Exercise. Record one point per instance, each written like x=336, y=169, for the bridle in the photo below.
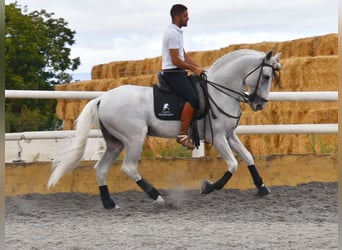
x=255, y=95
x=242, y=97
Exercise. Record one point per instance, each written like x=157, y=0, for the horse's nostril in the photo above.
x=258, y=107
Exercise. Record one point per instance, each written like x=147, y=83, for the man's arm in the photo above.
x=188, y=59
x=186, y=64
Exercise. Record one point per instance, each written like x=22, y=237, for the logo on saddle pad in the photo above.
x=166, y=107
x=166, y=111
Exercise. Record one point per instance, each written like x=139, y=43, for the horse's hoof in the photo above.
x=207, y=187
x=159, y=202
x=263, y=191
x=109, y=204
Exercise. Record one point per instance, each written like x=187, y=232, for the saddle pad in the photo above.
x=167, y=105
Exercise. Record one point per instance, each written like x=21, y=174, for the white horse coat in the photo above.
x=126, y=116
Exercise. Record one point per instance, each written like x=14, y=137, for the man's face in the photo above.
x=183, y=19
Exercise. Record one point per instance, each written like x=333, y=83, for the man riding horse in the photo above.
x=174, y=63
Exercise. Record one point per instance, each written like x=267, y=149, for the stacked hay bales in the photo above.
x=310, y=64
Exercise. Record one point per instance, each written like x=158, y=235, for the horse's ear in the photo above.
x=269, y=55
x=277, y=56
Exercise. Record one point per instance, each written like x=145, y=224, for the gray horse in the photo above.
x=126, y=116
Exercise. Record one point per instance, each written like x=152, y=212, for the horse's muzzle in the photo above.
x=257, y=102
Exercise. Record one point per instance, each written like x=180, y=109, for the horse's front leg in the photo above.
x=221, y=144
x=247, y=157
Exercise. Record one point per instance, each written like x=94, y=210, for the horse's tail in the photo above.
x=69, y=159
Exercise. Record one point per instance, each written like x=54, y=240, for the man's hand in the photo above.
x=197, y=70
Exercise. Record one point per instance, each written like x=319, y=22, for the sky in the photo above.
x=119, y=30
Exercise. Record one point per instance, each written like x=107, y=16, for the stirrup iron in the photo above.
x=185, y=142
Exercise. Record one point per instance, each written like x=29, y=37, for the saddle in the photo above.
x=168, y=105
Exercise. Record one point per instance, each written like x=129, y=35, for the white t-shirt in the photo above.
x=173, y=39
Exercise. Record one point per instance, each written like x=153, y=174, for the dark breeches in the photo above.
x=182, y=86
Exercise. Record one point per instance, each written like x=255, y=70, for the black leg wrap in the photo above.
x=148, y=189
x=218, y=185
x=255, y=175
x=208, y=187
x=107, y=202
x=262, y=189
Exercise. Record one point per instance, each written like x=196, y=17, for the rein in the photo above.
x=243, y=97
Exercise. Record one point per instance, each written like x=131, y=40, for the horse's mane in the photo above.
x=230, y=56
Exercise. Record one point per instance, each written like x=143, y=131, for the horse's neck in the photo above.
x=231, y=81
x=230, y=72
x=226, y=77
x=225, y=99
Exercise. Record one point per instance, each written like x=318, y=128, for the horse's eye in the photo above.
x=266, y=77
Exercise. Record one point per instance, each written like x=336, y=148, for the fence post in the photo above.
x=200, y=151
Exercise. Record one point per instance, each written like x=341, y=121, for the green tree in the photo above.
x=37, y=57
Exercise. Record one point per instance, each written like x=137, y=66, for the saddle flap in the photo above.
x=200, y=87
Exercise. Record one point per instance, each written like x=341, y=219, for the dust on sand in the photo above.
x=301, y=217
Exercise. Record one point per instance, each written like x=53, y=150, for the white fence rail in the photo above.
x=31, y=146
x=325, y=96
x=330, y=128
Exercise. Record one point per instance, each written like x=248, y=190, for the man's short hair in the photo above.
x=177, y=9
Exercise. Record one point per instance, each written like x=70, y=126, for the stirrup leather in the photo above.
x=185, y=142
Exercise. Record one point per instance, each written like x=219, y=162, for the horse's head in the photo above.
x=259, y=80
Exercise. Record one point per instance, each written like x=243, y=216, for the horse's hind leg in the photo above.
x=247, y=157
x=113, y=150
x=133, y=151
